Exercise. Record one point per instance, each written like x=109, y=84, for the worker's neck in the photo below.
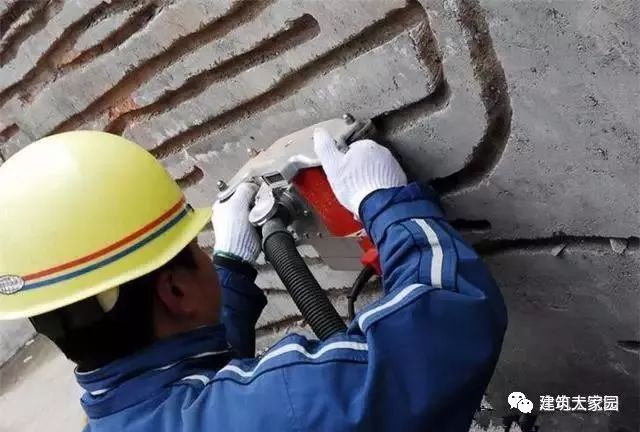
x=166, y=326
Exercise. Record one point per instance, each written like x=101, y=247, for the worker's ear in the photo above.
x=172, y=290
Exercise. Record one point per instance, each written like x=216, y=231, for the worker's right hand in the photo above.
x=364, y=168
x=235, y=237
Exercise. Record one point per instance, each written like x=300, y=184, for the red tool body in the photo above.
x=294, y=191
x=312, y=185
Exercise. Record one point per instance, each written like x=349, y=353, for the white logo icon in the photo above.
x=519, y=400
x=525, y=406
x=10, y=284
x=514, y=398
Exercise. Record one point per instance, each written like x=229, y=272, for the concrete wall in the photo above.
x=524, y=114
x=13, y=336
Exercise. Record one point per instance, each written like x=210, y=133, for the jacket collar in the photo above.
x=129, y=380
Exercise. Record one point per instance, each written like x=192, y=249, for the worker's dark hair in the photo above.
x=126, y=328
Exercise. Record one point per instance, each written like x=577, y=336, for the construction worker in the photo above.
x=98, y=248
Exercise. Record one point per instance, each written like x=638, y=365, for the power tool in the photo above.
x=294, y=206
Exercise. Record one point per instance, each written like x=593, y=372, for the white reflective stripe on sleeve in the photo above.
x=204, y=379
x=99, y=392
x=394, y=301
x=436, y=250
x=87, y=372
x=197, y=356
x=358, y=346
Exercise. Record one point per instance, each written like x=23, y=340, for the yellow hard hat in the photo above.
x=81, y=213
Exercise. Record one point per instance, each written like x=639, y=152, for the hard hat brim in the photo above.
x=144, y=259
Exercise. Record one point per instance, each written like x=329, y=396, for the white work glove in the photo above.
x=364, y=168
x=235, y=237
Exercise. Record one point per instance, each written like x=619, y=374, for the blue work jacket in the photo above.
x=419, y=359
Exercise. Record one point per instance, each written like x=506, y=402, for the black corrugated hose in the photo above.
x=280, y=250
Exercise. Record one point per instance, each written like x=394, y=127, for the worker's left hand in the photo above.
x=235, y=237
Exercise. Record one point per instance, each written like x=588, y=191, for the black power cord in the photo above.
x=364, y=276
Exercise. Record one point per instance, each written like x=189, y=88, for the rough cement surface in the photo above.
x=571, y=320
x=522, y=114
x=13, y=335
x=571, y=158
x=38, y=391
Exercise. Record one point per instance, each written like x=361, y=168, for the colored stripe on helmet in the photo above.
x=171, y=215
x=110, y=259
x=112, y=247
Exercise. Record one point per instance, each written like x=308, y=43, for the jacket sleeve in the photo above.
x=242, y=303
x=434, y=337
x=418, y=359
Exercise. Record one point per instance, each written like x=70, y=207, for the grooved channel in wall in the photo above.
x=594, y=244
x=68, y=61
x=11, y=15
x=294, y=34
x=494, y=93
x=495, y=96
x=468, y=225
x=46, y=67
x=379, y=33
x=274, y=326
x=191, y=178
x=240, y=13
x=395, y=121
x=22, y=20
x=632, y=346
x=8, y=132
x=134, y=24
